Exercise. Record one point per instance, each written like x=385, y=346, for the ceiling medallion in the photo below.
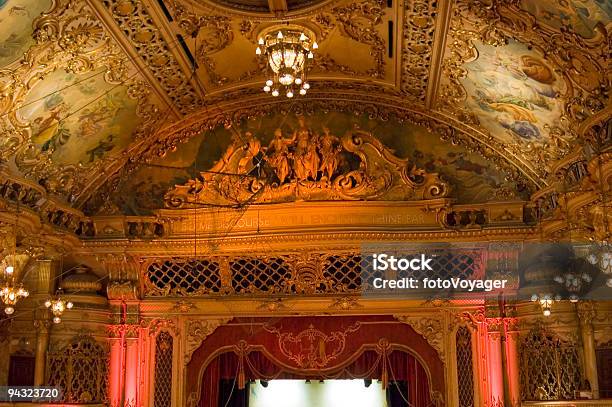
x=288, y=51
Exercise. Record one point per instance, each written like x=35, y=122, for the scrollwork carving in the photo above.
x=198, y=331
x=429, y=328
x=308, y=166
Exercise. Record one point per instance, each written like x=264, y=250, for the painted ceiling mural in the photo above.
x=16, y=17
x=474, y=178
x=580, y=15
x=79, y=119
x=514, y=92
x=78, y=110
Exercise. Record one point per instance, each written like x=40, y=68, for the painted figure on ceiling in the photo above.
x=95, y=118
x=102, y=148
x=513, y=91
x=49, y=130
x=579, y=15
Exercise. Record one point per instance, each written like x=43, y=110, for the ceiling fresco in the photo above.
x=473, y=179
x=492, y=95
x=579, y=15
x=516, y=95
x=16, y=17
x=85, y=121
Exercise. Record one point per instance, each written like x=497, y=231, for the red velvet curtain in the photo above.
x=401, y=367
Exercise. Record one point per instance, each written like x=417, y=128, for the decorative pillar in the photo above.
x=131, y=370
x=513, y=361
x=586, y=313
x=46, y=270
x=122, y=291
x=42, y=326
x=495, y=362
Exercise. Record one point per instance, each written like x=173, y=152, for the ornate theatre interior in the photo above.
x=189, y=189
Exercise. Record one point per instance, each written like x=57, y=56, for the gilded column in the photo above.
x=131, y=366
x=512, y=361
x=496, y=365
x=586, y=313
x=42, y=326
x=122, y=291
x=116, y=368
x=46, y=270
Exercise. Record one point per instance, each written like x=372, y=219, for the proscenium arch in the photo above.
x=401, y=337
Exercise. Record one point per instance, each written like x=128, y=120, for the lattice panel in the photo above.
x=292, y=274
x=80, y=370
x=345, y=271
x=162, y=396
x=183, y=277
x=550, y=368
x=465, y=367
x=251, y=275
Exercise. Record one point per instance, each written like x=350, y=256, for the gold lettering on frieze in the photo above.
x=350, y=214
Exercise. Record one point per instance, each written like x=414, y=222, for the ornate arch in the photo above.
x=343, y=340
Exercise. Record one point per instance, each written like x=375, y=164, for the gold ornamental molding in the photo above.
x=137, y=24
x=430, y=328
x=581, y=63
x=228, y=110
x=197, y=330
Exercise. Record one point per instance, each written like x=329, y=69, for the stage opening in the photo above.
x=315, y=393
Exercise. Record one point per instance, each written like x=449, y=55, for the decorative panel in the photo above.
x=604, y=373
x=465, y=368
x=183, y=277
x=550, y=368
x=162, y=396
x=80, y=370
x=289, y=274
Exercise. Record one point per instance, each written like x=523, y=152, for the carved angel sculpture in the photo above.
x=278, y=156
x=329, y=148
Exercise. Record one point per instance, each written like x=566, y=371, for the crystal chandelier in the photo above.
x=58, y=305
x=287, y=51
x=11, y=292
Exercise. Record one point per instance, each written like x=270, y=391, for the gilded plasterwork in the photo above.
x=16, y=17
x=72, y=100
x=581, y=16
x=84, y=122
x=307, y=165
x=473, y=178
x=138, y=26
x=515, y=94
